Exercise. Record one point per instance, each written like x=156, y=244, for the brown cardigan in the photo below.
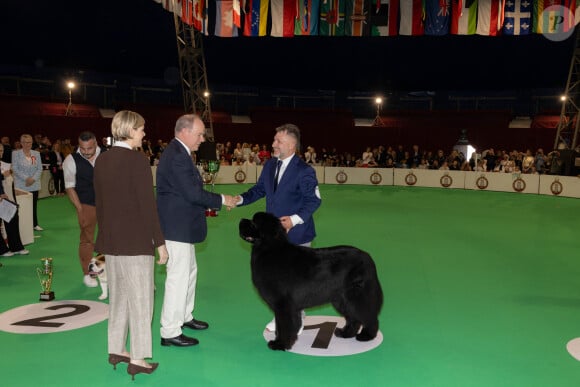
x=125, y=201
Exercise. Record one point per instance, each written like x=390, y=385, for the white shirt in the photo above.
x=189, y=151
x=69, y=168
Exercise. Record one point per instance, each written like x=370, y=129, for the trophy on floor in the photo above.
x=210, y=169
x=45, y=277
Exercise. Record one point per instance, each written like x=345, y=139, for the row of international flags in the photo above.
x=288, y=18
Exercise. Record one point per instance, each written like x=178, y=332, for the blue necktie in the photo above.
x=278, y=165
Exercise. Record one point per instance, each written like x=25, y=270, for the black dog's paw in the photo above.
x=365, y=336
x=276, y=345
x=344, y=333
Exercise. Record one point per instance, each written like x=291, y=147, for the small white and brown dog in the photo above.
x=97, y=268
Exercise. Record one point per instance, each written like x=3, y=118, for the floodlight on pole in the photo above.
x=378, y=121
x=70, y=86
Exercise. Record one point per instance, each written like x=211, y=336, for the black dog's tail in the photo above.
x=363, y=279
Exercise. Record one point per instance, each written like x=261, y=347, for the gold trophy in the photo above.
x=45, y=277
x=210, y=168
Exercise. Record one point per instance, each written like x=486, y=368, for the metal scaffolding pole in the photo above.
x=193, y=73
x=568, y=124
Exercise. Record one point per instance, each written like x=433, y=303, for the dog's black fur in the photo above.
x=291, y=278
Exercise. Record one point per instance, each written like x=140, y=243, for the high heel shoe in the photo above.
x=135, y=369
x=116, y=359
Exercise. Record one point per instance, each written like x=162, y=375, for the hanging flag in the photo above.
x=411, y=21
x=357, y=17
x=332, y=17
x=307, y=14
x=553, y=16
x=195, y=13
x=384, y=18
x=463, y=17
x=283, y=18
x=437, y=17
x=489, y=17
x=224, y=19
x=256, y=17
x=517, y=17
x=173, y=6
x=237, y=13
x=187, y=12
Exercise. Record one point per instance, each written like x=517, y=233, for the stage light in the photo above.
x=378, y=121
x=206, y=94
x=70, y=86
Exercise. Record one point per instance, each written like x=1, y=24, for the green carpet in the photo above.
x=481, y=289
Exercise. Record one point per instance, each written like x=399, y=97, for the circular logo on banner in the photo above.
x=482, y=182
x=556, y=187
x=240, y=176
x=446, y=180
x=519, y=184
x=318, y=338
x=376, y=178
x=411, y=179
x=53, y=317
x=341, y=177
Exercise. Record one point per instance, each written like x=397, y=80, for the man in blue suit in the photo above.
x=181, y=203
x=290, y=187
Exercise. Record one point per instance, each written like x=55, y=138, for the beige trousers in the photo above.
x=130, y=304
x=179, y=298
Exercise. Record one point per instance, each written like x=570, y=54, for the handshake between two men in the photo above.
x=231, y=201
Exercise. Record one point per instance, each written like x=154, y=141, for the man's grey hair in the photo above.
x=185, y=121
x=291, y=130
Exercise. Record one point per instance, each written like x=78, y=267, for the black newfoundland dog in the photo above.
x=291, y=278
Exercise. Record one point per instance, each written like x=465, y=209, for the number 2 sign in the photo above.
x=55, y=316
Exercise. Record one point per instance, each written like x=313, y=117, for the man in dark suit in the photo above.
x=181, y=203
x=290, y=187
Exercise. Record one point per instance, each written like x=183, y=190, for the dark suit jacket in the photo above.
x=181, y=198
x=297, y=193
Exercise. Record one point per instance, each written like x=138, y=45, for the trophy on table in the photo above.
x=210, y=171
x=45, y=277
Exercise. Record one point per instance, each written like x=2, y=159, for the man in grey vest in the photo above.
x=78, y=182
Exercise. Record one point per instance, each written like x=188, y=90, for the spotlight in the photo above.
x=378, y=121
x=70, y=86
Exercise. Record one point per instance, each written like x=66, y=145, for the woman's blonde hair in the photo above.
x=123, y=122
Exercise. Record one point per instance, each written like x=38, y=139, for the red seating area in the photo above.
x=430, y=130
x=319, y=127
x=37, y=107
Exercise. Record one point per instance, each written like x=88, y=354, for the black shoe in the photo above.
x=179, y=341
x=196, y=324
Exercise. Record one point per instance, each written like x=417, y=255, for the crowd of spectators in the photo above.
x=246, y=153
x=489, y=160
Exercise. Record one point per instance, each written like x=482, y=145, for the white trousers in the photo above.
x=179, y=298
x=130, y=280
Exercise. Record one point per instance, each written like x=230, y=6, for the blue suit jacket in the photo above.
x=297, y=193
x=181, y=198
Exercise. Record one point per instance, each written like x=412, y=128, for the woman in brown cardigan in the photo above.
x=129, y=232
